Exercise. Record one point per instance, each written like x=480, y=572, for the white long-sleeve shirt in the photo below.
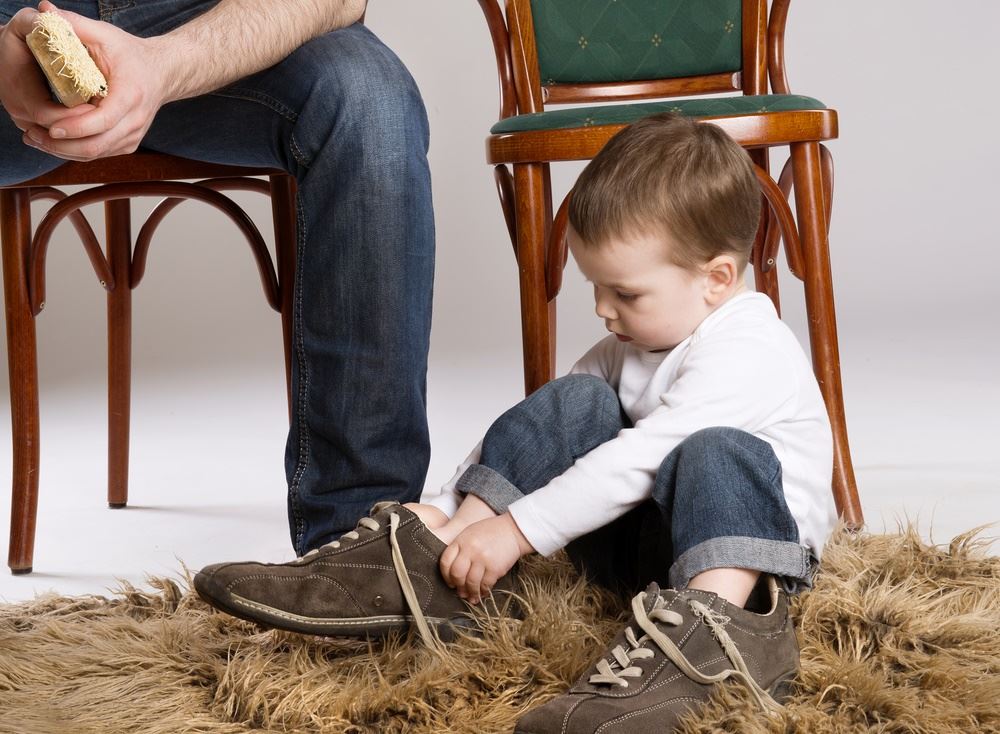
x=742, y=368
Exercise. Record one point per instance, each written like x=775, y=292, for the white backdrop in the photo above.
x=915, y=257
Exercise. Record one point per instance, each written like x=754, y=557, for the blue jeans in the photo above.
x=717, y=500
x=343, y=115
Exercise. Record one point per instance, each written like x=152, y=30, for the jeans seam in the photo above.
x=297, y=153
x=303, y=434
x=252, y=95
x=107, y=9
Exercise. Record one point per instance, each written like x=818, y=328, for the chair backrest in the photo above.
x=565, y=51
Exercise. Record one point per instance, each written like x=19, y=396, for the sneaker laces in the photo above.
x=608, y=675
x=404, y=581
x=365, y=522
x=399, y=565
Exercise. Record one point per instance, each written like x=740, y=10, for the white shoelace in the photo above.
x=608, y=675
x=365, y=522
x=409, y=593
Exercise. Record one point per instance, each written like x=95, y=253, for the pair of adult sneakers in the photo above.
x=384, y=576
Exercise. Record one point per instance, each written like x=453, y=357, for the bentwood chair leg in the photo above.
x=15, y=239
x=547, y=177
x=765, y=281
x=118, y=228
x=810, y=209
x=537, y=324
x=285, y=231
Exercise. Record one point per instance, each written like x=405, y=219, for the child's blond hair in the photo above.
x=669, y=175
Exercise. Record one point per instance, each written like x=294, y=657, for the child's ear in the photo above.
x=722, y=274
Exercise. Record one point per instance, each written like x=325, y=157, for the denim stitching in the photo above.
x=297, y=153
x=107, y=9
x=303, y=459
x=252, y=95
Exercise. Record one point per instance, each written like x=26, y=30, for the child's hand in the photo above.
x=481, y=554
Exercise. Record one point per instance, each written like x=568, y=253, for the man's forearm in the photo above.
x=239, y=37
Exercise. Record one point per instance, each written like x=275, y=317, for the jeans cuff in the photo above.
x=791, y=563
x=490, y=486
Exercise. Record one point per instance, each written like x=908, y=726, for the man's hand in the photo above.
x=24, y=92
x=115, y=125
x=481, y=554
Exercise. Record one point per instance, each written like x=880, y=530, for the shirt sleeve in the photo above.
x=598, y=361
x=735, y=381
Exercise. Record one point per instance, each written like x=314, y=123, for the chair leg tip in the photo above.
x=20, y=571
x=117, y=505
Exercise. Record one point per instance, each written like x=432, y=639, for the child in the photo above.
x=690, y=448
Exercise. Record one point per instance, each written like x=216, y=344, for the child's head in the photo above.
x=662, y=221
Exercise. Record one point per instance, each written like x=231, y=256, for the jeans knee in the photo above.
x=714, y=449
x=361, y=95
x=586, y=389
x=714, y=439
x=583, y=398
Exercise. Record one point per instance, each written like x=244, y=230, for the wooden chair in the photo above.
x=119, y=271
x=551, y=52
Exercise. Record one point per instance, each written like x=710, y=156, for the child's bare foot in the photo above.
x=429, y=515
x=472, y=509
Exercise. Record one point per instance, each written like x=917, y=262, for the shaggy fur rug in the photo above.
x=897, y=636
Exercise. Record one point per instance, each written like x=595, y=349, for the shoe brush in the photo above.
x=72, y=74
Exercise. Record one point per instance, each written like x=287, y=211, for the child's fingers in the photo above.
x=487, y=584
x=459, y=571
x=473, y=581
x=447, y=558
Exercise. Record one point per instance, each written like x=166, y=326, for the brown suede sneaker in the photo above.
x=380, y=577
x=690, y=641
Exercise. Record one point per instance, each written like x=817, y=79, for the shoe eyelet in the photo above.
x=378, y=600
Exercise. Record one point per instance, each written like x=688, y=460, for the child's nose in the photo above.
x=605, y=310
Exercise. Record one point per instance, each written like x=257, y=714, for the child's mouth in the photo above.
x=623, y=338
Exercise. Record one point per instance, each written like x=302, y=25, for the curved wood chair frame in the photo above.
x=521, y=169
x=119, y=269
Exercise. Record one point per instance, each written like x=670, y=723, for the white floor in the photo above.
x=207, y=482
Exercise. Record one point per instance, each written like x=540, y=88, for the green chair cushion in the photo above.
x=622, y=40
x=629, y=113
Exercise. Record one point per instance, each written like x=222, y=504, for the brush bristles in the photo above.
x=66, y=58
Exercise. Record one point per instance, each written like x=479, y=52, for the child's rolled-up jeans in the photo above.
x=717, y=501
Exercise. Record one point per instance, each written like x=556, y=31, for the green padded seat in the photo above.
x=628, y=113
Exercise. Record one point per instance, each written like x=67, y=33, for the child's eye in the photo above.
x=627, y=296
